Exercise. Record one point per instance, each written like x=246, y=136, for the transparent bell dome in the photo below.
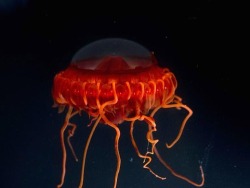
x=115, y=50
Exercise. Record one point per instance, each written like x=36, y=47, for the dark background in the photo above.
x=200, y=41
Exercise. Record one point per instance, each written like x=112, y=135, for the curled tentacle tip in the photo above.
x=168, y=146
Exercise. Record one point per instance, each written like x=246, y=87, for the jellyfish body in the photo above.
x=116, y=80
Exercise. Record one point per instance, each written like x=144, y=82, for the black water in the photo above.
x=199, y=42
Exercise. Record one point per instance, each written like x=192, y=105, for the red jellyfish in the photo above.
x=115, y=80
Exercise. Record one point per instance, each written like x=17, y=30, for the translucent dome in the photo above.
x=115, y=50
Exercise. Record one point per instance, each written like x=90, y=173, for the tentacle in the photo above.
x=64, y=157
x=176, y=103
x=108, y=122
x=116, y=145
x=86, y=150
x=190, y=112
x=150, y=135
x=71, y=133
x=179, y=175
x=147, y=158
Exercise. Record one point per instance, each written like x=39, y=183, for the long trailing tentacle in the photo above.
x=64, y=157
x=86, y=150
x=118, y=157
x=111, y=124
x=176, y=104
x=147, y=158
x=179, y=175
